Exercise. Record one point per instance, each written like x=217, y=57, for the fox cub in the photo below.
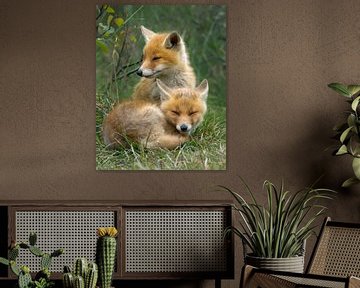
x=166, y=126
x=164, y=58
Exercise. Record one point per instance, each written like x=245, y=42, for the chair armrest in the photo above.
x=354, y=282
x=253, y=278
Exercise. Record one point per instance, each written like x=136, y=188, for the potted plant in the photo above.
x=276, y=233
x=42, y=278
x=348, y=133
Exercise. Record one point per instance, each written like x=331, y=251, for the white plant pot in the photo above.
x=291, y=264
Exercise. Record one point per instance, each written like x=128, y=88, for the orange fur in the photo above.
x=166, y=126
x=164, y=58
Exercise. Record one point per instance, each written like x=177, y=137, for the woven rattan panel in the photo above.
x=311, y=282
x=338, y=253
x=175, y=241
x=75, y=231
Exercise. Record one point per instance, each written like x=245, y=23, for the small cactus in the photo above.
x=24, y=277
x=106, y=254
x=91, y=276
x=80, y=268
x=68, y=280
x=83, y=274
x=79, y=282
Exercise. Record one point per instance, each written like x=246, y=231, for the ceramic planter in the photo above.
x=291, y=264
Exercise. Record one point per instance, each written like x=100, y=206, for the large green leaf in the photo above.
x=345, y=134
x=353, y=89
x=356, y=167
x=351, y=120
x=340, y=88
x=355, y=103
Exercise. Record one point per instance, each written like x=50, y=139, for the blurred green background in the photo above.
x=120, y=44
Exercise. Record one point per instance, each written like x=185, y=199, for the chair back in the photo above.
x=337, y=251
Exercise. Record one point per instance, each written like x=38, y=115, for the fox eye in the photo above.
x=175, y=112
x=156, y=58
x=193, y=113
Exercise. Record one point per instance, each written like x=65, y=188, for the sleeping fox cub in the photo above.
x=166, y=126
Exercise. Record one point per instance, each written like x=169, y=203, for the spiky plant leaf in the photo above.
x=280, y=228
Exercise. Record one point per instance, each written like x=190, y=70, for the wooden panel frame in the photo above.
x=119, y=208
x=12, y=225
x=229, y=274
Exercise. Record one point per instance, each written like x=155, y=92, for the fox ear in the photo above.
x=147, y=33
x=203, y=89
x=165, y=91
x=172, y=40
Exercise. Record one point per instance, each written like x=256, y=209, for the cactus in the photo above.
x=80, y=267
x=32, y=238
x=4, y=261
x=82, y=270
x=36, y=251
x=14, y=268
x=68, y=280
x=105, y=254
x=79, y=282
x=24, y=278
x=91, y=276
x=45, y=261
x=13, y=253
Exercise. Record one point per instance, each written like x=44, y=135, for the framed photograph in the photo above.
x=161, y=87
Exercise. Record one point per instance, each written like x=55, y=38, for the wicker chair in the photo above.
x=334, y=263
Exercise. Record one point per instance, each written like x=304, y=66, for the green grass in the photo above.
x=203, y=28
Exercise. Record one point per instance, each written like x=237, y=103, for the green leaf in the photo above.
x=349, y=182
x=109, y=19
x=101, y=44
x=342, y=150
x=14, y=268
x=119, y=21
x=345, y=134
x=340, y=88
x=4, y=261
x=354, y=145
x=353, y=89
x=356, y=167
x=110, y=10
x=355, y=103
